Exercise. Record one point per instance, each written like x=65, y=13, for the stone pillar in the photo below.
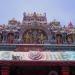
x=4, y=70
x=65, y=70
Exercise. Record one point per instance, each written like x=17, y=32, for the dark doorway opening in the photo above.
x=35, y=70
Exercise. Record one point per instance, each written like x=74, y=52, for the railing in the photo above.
x=45, y=47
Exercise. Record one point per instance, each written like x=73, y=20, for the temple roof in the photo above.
x=70, y=25
x=13, y=21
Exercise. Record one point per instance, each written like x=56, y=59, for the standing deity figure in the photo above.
x=30, y=36
x=10, y=38
x=27, y=38
x=59, y=39
x=69, y=39
x=34, y=36
x=41, y=38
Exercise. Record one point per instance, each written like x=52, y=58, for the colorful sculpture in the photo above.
x=10, y=38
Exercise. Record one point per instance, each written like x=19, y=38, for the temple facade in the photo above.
x=35, y=46
x=34, y=29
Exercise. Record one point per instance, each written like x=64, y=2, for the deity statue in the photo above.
x=59, y=39
x=41, y=38
x=27, y=38
x=30, y=35
x=10, y=38
x=1, y=38
x=69, y=39
x=34, y=36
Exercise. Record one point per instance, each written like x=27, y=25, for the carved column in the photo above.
x=4, y=70
x=65, y=70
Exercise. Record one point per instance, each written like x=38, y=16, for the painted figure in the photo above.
x=59, y=39
x=10, y=38
x=1, y=38
x=41, y=38
x=69, y=39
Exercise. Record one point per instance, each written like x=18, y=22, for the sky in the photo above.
x=61, y=10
